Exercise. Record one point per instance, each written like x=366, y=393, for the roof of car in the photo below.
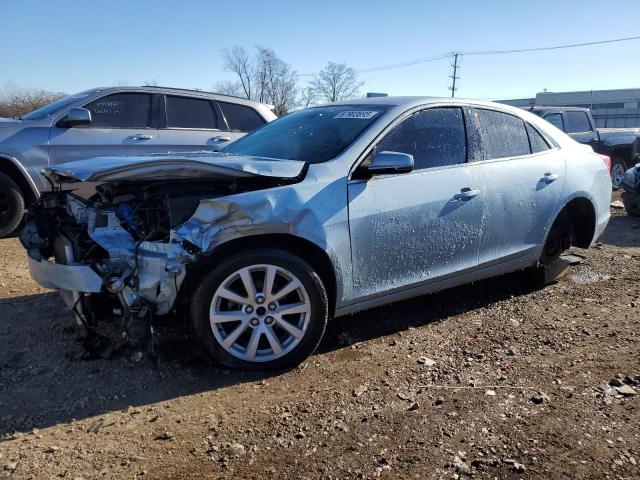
x=543, y=108
x=155, y=88
x=387, y=100
x=410, y=102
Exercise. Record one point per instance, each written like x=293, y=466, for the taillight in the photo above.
x=607, y=161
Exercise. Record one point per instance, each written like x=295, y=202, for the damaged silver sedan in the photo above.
x=324, y=212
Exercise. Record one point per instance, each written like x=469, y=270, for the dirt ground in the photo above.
x=491, y=380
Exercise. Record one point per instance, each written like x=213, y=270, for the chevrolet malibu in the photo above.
x=324, y=212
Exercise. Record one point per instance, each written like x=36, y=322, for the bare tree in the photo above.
x=336, y=82
x=264, y=77
x=16, y=102
x=237, y=60
x=276, y=82
x=228, y=87
x=307, y=97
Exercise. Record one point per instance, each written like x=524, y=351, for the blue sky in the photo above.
x=71, y=45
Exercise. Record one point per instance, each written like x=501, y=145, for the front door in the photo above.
x=121, y=124
x=411, y=228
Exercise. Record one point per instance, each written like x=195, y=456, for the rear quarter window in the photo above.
x=537, y=141
x=241, y=117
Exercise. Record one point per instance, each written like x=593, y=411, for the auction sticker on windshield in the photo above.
x=359, y=114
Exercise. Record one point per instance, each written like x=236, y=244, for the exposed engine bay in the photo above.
x=112, y=249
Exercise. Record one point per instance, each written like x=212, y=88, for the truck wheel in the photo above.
x=261, y=309
x=11, y=206
x=631, y=203
x=618, y=168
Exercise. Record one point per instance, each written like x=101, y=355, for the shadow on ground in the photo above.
x=623, y=231
x=44, y=382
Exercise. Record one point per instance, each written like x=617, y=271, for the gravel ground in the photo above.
x=490, y=380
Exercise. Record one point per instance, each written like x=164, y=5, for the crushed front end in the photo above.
x=113, y=255
x=116, y=235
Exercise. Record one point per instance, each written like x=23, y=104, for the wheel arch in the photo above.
x=623, y=152
x=14, y=170
x=581, y=212
x=310, y=252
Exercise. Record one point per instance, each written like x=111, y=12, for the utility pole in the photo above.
x=454, y=76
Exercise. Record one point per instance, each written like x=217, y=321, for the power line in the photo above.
x=555, y=47
x=486, y=52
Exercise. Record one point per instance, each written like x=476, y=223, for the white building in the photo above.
x=610, y=108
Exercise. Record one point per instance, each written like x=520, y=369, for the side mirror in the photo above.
x=75, y=118
x=384, y=163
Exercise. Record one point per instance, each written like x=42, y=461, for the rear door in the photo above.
x=191, y=124
x=521, y=180
x=121, y=124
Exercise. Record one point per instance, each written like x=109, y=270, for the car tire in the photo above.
x=12, y=206
x=226, y=318
x=560, y=238
x=618, y=169
x=631, y=203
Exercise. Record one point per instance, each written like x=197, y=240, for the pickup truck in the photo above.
x=622, y=145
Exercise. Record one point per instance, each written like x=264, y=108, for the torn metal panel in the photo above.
x=80, y=278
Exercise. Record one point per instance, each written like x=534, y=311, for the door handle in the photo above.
x=550, y=177
x=466, y=194
x=220, y=139
x=140, y=136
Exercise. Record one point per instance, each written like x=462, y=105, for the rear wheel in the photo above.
x=11, y=206
x=559, y=240
x=618, y=169
x=261, y=310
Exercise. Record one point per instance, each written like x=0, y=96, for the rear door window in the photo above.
x=555, y=119
x=577, y=122
x=502, y=135
x=240, y=117
x=538, y=143
x=187, y=112
x=121, y=110
x=435, y=137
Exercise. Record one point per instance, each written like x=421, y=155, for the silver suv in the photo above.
x=113, y=121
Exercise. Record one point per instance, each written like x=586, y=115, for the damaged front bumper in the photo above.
x=103, y=273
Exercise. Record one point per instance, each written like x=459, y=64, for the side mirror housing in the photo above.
x=75, y=118
x=384, y=163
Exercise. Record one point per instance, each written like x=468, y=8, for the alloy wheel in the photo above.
x=260, y=313
x=617, y=174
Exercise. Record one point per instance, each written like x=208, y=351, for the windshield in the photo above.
x=54, y=107
x=313, y=135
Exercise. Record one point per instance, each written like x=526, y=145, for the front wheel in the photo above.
x=618, y=169
x=11, y=206
x=260, y=310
